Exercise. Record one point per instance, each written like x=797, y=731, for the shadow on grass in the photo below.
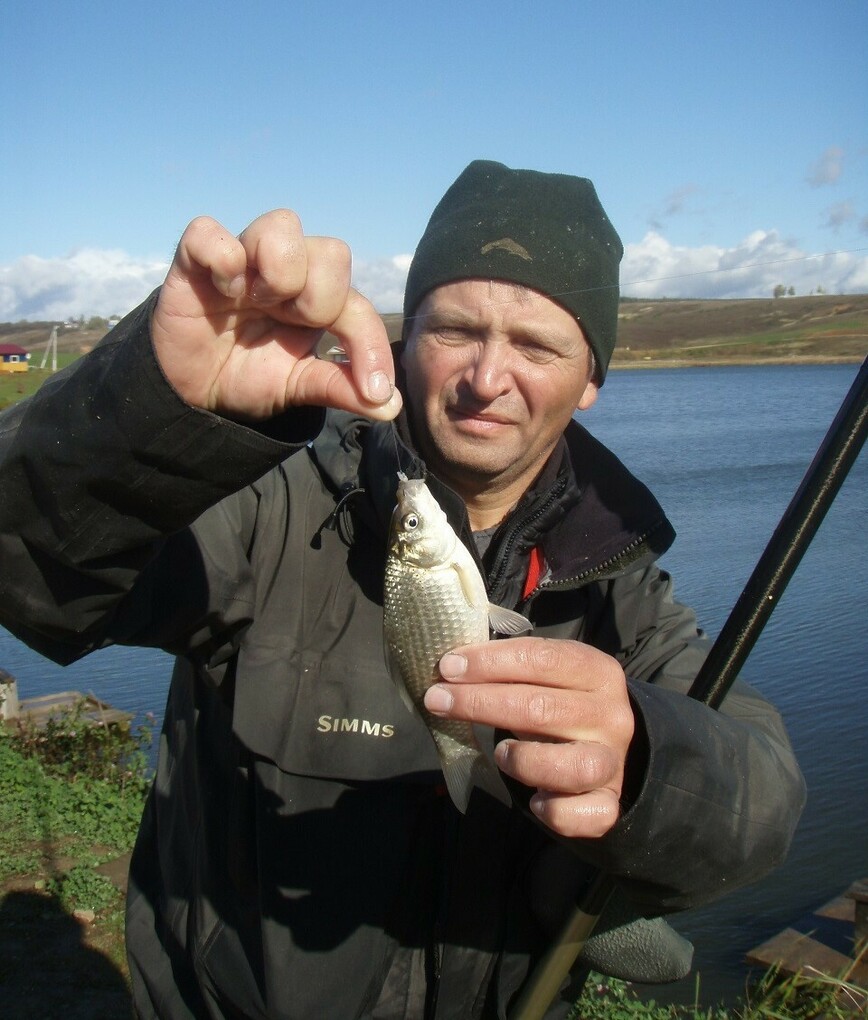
x=48, y=970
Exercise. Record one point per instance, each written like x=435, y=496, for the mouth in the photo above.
x=472, y=416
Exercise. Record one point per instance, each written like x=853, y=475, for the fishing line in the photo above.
x=394, y=429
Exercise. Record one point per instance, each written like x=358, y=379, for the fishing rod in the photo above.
x=816, y=493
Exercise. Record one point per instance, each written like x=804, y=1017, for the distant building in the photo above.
x=13, y=358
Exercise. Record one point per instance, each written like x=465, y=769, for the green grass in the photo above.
x=15, y=386
x=773, y=997
x=69, y=800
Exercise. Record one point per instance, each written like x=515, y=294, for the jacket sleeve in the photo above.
x=714, y=796
x=103, y=471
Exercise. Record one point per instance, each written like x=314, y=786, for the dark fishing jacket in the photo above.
x=298, y=858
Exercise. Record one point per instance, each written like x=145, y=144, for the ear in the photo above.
x=589, y=397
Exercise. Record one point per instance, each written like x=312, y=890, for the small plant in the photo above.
x=82, y=888
x=68, y=786
x=606, y=998
x=71, y=745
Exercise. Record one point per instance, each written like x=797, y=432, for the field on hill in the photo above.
x=819, y=328
x=816, y=329
x=661, y=332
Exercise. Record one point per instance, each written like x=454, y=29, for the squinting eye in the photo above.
x=538, y=352
x=410, y=522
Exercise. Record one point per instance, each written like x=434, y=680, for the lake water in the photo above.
x=724, y=449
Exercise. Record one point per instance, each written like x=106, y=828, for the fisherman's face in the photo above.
x=494, y=372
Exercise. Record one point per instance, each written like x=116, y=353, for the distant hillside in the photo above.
x=34, y=336
x=816, y=328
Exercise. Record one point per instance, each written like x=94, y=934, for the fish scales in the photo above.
x=433, y=617
x=434, y=601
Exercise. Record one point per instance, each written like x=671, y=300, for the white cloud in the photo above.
x=654, y=267
x=95, y=282
x=86, y=282
x=109, y=282
x=827, y=169
x=382, y=281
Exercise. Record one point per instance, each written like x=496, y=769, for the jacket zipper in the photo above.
x=629, y=554
x=518, y=530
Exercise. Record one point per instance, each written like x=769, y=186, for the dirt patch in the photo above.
x=116, y=871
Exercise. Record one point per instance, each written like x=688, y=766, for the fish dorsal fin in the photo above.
x=505, y=621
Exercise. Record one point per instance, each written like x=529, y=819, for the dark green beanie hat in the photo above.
x=544, y=231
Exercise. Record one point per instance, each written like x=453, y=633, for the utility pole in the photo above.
x=51, y=346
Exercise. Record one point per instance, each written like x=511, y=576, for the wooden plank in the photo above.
x=795, y=952
x=839, y=909
x=94, y=711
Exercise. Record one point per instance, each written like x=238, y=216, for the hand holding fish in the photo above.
x=237, y=322
x=567, y=705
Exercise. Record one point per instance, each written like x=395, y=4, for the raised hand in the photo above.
x=238, y=319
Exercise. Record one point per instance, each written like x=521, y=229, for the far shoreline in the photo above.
x=652, y=363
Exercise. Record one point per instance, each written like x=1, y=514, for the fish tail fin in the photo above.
x=466, y=771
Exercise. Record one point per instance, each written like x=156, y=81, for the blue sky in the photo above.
x=727, y=142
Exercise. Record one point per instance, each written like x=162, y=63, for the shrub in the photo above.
x=72, y=746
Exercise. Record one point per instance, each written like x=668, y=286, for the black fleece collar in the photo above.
x=587, y=512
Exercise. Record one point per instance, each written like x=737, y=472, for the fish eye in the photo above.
x=410, y=522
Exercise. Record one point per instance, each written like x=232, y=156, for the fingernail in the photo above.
x=537, y=804
x=452, y=666
x=236, y=286
x=501, y=752
x=261, y=291
x=379, y=388
x=438, y=699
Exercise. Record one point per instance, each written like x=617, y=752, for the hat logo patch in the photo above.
x=508, y=245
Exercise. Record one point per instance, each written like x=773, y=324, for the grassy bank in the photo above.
x=70, y=800
x=71, y=797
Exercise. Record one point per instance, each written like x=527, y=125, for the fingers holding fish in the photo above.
x=568, y=708
x=548, y=661
x=543, y=688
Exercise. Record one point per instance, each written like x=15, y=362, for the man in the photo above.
x=183, y=487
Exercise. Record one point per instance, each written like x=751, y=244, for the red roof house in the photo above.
x=13, y=358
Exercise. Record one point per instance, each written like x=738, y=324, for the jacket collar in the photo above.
x=615, y=520
x=588, y=513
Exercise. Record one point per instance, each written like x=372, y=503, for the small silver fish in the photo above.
x=435, y=600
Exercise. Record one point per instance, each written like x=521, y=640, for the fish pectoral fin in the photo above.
x=506, y=621
x=471, y=582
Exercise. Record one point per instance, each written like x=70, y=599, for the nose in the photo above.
x=487, y=374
